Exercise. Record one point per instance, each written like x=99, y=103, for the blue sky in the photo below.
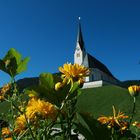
x=46, y=31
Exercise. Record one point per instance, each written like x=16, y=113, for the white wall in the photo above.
x=93, y=84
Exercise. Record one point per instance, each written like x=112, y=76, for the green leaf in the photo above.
x=75, y=87
x=2, y=66
x=74, y=90
x=63, y=92
x=47, y=80
x=4, y=107
x=22, y=65
x=46, y=88
x=11, y=67
x=12, y=63
x=43, y=93
x=13, y=53
x=94, y=130
x=83, y=128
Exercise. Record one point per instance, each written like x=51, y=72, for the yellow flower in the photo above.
x=35, y=108
x=3, y=91
x=5, y=88
x=134, y=90
x=6, y=131
x=40, y=108
x=104, y=119
x=74, y=72
x=117, y=120
x=20, y=124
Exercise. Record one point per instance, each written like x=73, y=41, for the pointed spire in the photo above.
x=79, y=35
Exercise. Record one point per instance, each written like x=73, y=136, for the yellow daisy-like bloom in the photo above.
x=36, y=108
x=116, y=121
x=134, y=90
x=6, y=131
x=3, y=90
x=20, y=124
x=74, y=72
x=40, y=108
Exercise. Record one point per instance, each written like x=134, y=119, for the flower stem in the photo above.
x=133, y=110
x=112, y=134
x=28, y=125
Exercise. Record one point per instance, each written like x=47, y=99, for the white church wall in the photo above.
x=87, y=79
x=93, y=84
x=78, y=55
x=98, y=78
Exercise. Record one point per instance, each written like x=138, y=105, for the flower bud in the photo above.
x=134, y=90
x=58, y=86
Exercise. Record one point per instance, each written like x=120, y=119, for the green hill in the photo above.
x=99, y=101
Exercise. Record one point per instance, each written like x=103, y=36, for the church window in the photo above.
x=78, y=54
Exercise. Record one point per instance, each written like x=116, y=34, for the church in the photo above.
x=99, y=73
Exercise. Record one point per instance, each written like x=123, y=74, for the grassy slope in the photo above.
x=99, y=101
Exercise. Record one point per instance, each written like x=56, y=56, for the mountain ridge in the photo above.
x=30, y=81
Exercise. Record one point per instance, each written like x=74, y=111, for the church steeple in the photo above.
x=80, y=36
x=80, y=51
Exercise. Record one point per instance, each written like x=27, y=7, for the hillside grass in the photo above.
x=99, y=101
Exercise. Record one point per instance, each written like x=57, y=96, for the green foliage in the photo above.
x=48, y=80
x=22, y=66
x=27, y=115
x=46, y=89
x=4, y=107
x=12, y=63
x=91, y=128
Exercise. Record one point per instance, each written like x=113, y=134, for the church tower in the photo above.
x=99, y=73
x=80, y=51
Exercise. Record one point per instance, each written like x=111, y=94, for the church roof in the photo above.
x=94, y=63
x=80, y=37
